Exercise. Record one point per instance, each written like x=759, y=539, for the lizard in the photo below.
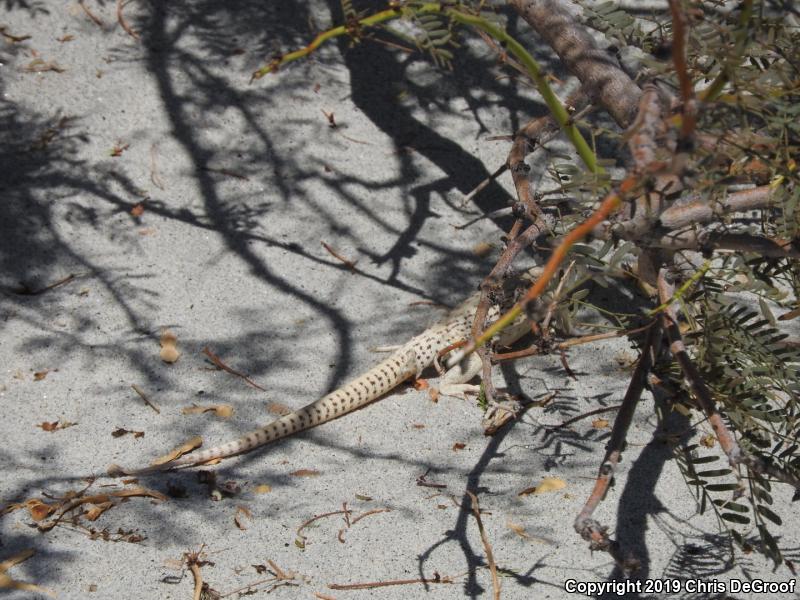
x=405, y=362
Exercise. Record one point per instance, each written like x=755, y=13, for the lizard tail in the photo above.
x=351, y=396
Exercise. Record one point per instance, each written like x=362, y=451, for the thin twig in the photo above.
x=249, y=587
x=217, y=362
x=502, y=55
x=144, y=397
x=14, y=39
x=194, y=561
x=587, y=339
x=350, y=264
x=374, y=511
x=97, y=20
x=121, y=20
x=483, y=185
x=519, y=241
x=423, y=482
x=376, y=584
x=681, y=69
x=198, y=580
x=596, y=411
x=26, y=291
x=693, y=378
x=349, y=523
x=500, y=212
x=476, y=510
x=316, y=518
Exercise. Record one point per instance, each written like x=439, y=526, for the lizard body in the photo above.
x=407, y=361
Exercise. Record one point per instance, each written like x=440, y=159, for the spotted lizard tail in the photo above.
x=400, y=366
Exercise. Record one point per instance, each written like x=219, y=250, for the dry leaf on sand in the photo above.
x=185, y=448
x=169, y=347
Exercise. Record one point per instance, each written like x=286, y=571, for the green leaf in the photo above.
x=734, y=506
x=734, y=518
x=737, y=537
x=768, y=514
x=714, y=473
x=580, y=295
x=704, y=459
x=722, y=487
x=769, y=542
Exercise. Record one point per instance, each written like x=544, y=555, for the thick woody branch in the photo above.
x=516, y=245
x=525, y=141
x=645, y=136
x=646, y=129
x=602, y=78
x=588, y=528
x=652, y=219
x=695, y=210
x=706, y=241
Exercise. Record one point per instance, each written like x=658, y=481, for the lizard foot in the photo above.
x=459, y=390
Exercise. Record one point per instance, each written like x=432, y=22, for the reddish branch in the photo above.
x=681, y=69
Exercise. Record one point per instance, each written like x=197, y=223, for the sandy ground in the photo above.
x=178, y=195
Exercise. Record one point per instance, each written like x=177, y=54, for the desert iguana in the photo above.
x=407, y=361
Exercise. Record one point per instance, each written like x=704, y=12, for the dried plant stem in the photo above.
x=121, y=20
x=476, y=510
x=377, y=584
x=144, y=397
x=218, y=363
x=97, y=20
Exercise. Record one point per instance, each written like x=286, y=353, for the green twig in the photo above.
x=681, y=291
x=557, y=109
